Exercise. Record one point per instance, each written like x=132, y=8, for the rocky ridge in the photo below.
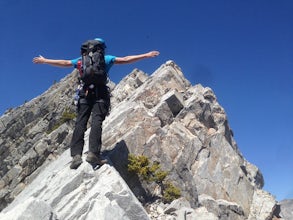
x=26, y=139
x=161, y=116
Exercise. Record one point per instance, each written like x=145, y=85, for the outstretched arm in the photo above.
x=134, y=58
x=60, y=63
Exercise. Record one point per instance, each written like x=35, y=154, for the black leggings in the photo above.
x=99, y=110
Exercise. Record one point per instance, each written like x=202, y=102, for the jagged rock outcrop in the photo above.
x=286, y=209
x=187, y=131
x=161, y=116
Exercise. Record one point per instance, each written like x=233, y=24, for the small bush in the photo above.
x=148, y=172
x=153, y=173
x=139, y=165
x=170, y=192
x=66, y=116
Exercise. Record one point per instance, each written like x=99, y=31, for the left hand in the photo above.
x=153, y=53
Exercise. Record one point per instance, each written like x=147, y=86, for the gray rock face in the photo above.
x=161, y=116
x=286, y=209
x=68, y=194
x=25, y=138
x=187, y=131
x=30, y=209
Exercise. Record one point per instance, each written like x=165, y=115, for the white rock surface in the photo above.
x=84, y=193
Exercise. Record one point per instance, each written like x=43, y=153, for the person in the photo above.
x=96, y=105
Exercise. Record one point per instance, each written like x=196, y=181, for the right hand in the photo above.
x=39, y=60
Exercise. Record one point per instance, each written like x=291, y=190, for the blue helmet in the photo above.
x=101, y=40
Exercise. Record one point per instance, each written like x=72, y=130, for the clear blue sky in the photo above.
x=243, y=50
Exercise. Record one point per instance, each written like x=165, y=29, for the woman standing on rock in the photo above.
x=93, y=99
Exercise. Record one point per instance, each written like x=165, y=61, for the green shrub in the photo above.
x=170, y=192
x=141, y=166
x=66, y=116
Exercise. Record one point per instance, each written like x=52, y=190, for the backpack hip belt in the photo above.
x=90, y=90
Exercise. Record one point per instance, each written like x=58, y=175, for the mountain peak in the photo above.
x=161, y=116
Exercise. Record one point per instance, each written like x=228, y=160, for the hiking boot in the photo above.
x=76, y=161
x=95, y=159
